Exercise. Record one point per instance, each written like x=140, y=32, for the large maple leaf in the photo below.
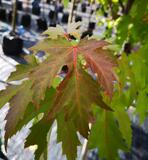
x=76, y=93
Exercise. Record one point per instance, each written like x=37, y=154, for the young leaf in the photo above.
x=73, y=29
x=54, y=32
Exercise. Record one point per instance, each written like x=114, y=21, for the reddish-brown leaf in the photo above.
x=101, y=62
x=75, y=96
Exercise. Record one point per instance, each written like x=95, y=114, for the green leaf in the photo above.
x=8, y=93
x=139, y=69
x=65, y=3
x=51, y=46
x=106, y=135
x=73, y=102
x=38, y=136
x=75, y=95
x=67, y=134
x=142, y=105
x=31, y=111
x=54, y=32
x=124, y=124
x=122, y=117
x=23, y=69
x=127, y=91
x=122, y=29
x=18, y=105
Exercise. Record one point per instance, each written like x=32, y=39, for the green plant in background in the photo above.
x=131, y=27
x=93, y=97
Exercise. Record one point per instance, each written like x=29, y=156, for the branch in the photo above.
x=111, y=7
x=71, y=12
x=113, y=13
x=128, y=6
x=14, y=15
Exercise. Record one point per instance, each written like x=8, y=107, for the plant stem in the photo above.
x=71, y=12
x=128, y=6
x=14, y=15
x=111, y=8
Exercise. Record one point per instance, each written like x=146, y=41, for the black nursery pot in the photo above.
x=60, y=9
x=19, y=5
x=36, y=11
x=42, y=24
x=91, y=25
x=48, y=1
x=65, y=17
x=3, y=16
x=78, y=18
x=83, y=7
x=12, y=45
x=9, y=17
x=52, y=15
x=26, y=20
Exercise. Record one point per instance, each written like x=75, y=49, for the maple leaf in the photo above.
x=31, y=111
x=106, y=135
x=18, y=105
x=72, y=29
x=8, y=94
x=22, y=70
x=101, y=62
x=54, y=32
x=68, y=136
x=38, y=136
x=122, y=117
x=141, y=106
x=75, y=95
x=57, y=57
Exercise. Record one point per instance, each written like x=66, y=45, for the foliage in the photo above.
x=98, y=88
x=128, y=28
x=90, y=69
